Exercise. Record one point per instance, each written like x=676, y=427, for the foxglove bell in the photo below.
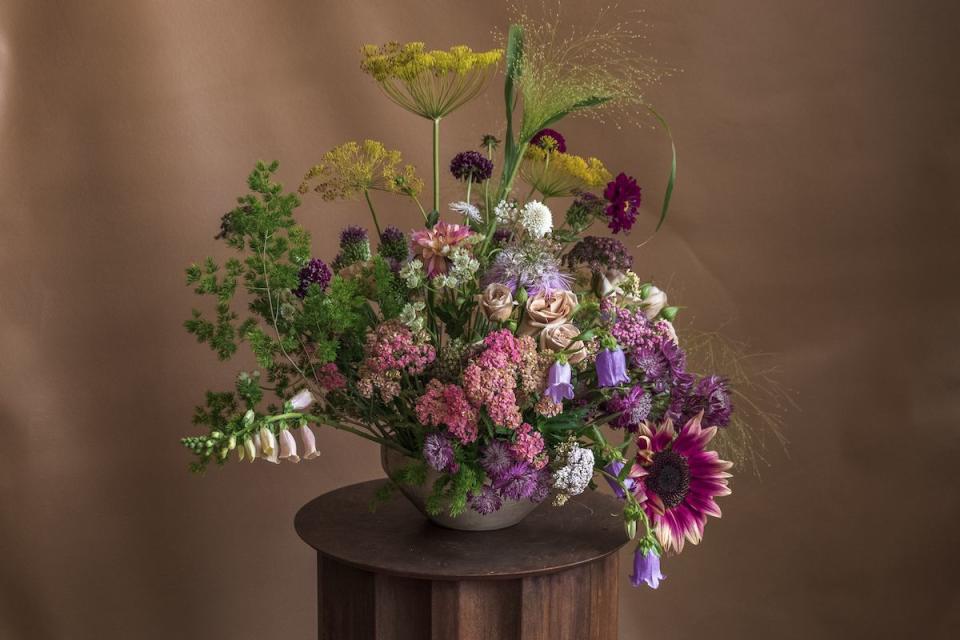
x=309, y=443
x=288, y=447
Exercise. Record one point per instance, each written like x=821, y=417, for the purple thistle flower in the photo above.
x=496, y=459
x=315, y=272
x=558, y=383
x=623, y=197
x=532, y=267
x=633, y=407
x=471, y=164
x=486, y=501
x=712, y=396
x=646, y=568
x=614, y=469
x=550, y=140
x=437, y=451
x=611, y=367
x=541, y=488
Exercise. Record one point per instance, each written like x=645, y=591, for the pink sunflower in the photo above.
x=676, y=480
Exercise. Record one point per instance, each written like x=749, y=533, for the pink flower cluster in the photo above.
x=490, y=380
x=447, y=405
x=529, y=446
x=390, y=351
x=330, y=378
x=632, y=330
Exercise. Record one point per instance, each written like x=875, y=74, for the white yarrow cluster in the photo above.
x=574, y=476
x=412, y=273
x=506, y=212
x=536, y=219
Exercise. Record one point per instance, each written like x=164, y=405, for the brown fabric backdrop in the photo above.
x=815, y=216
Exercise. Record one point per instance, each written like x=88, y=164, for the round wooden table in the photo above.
x=393, y=575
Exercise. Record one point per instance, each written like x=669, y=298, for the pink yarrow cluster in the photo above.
x=391, y=350
x=447, y=405
x=490, y=381
x=330, y=378
x=529, y=446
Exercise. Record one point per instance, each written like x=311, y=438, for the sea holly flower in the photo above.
x=646, y=566
x=309, y=442
x=611, y=367
x=302, y=401
x=623, y=202
x=288, y=447
x=558, y=382
x=472, y=166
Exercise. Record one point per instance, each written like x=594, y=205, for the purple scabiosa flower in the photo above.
x=550, y=140
x=558, y=383
x=471, y=165
x=393, y=244
x=712, y=396
x=531, y=266
x=496, y=459
x=623, y=200
x=600, y=254
x=611, y=367
x=437, y=451
x=486, y=501
x=634, y=407
x=614, y=469
x=646, y=567
x=315, y=272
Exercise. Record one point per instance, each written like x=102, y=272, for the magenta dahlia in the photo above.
x=677, y=480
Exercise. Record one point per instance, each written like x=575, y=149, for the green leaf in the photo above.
x=432, y=218
x=668, y=194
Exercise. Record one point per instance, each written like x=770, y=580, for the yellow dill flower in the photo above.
x=557, y=175
x=428, y=83
x=353, y=168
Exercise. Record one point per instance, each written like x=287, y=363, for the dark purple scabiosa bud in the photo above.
x=315, y=272
x=471, y=165
x=549, y=140
x=623, y=201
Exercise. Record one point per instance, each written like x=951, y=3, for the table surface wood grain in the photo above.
x=398, y=540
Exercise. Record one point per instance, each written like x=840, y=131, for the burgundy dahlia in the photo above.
x=623, y=202
x=471, y=164
x=315, y=272
x=550, y=140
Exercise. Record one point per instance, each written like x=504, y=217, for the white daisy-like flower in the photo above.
x=505, y=212
x=466, y=209
x=536, y=219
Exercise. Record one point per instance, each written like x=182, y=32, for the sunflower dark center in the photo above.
x=669, y=477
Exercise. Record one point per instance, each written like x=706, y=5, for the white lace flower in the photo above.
x=536, y=219
x=412, y=273
x=466, y=209
x=505, y=212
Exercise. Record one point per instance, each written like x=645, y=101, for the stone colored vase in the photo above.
x=509, y=514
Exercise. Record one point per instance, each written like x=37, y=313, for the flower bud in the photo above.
x=302, y=401
x=653, y=302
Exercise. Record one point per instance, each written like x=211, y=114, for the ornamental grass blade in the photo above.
x=673, y=168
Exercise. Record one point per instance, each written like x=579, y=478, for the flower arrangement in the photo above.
x=500, y=347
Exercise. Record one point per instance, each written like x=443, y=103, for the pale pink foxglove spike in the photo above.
x=256, y=447
x=268, y=441
x=302, y=401
x=309, y=443
x=288, y=447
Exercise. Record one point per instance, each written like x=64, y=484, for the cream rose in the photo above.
x=545, y=309
x=561, y=337
x=496, y=301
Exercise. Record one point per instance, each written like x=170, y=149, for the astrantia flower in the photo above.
x=530, y=266
x=485, y=501
x=633, y=406
x=412, y=274
x=600, y=254
x=466, y=209
x=315, y=272
x=437, y=451
x=435, y=245
x=623, y=202
x=471, y=165
x=536, y=219
x=646, y=567
x=550, y=140
x=678, y=480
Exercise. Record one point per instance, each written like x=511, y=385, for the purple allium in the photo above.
x=646, y=568
x=315, y=272
x=437, y=451
x=623, y=198
x=558, y=383
x=486, y=501
x=471, y=164
x=611, y=367
x=352, y=235
x=634, y=407
x=614, y=469
x=393, y=245
x=712, y=396
x=531, y=266
x=496, y=459
x=600, y=254
x=550, y=140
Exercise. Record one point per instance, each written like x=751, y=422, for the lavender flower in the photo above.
x=558, y=383
x=486, y=501
x=646, y=567
x=437, y=451
x=471, y=165
x=611, y=367
x=315, y=272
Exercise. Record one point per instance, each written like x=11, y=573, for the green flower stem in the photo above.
x=510, y=168
x=376, y=223
x=436, y=164
x=321, y=420
x=419, y=206
x=469, y=184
